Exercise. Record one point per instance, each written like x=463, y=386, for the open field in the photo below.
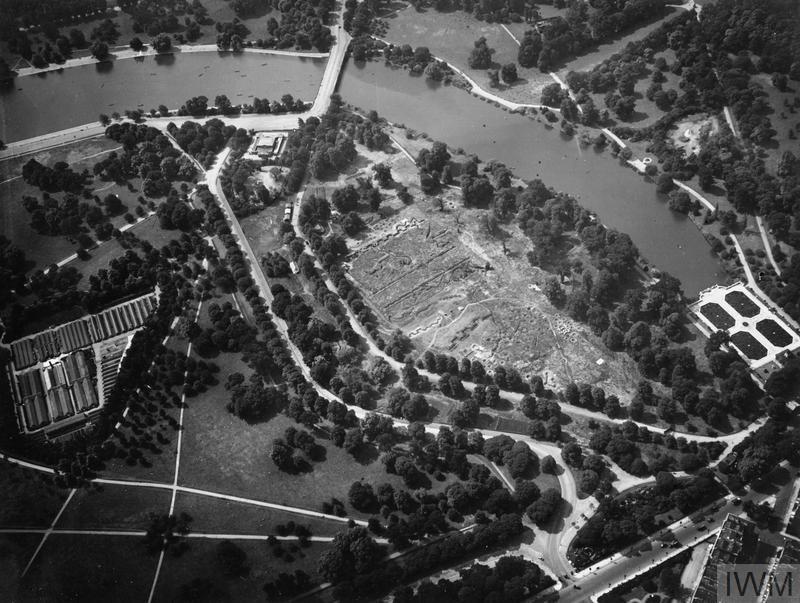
x=220, y=11
x=100, y=257
x=157, y=460
x=225, y=454
x=645, y=112
x=108, y=507
x=784, y=119
x=200, y=562
x=27, y=498
x=15, y=552
x=108, y=568
x=450, y=36
x=15, y=220
x=227, y=517
x=43, y=250
x=606, y=49
x=262, y=231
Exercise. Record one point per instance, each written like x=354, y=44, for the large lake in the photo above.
x=38, y=104
x=622, y=198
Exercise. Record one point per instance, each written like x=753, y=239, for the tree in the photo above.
x=552, y=94
x=282, y=455
x=519, y=459
x=353, y=440
x=476, y=192
x=99, y=50
x=589, y=481
x=529, y=49
x=362, y=497
x=542, y=511
x=549, y=465
x=383, y=174
x=572, y=454
x=554, y=292
x=352, y=552
x=664, y=183
x=509, y=73
x=481, y=55
x=162, y=43
x=136, y=44
x=669, y=582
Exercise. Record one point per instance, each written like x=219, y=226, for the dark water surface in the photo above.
x=38, y=104
x=622, y=198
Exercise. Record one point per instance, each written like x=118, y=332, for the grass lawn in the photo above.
x=27, y=498
x=200, y=562
x=261, y=229
x=100, y=257
x=543, y=480
x=451, y=35
x=15, y=551
x=225, y=454
x=89, y=568
x=44, y=250
x=590, y=59
x=154, y=435
x=546, y=481
x=156, y=464
x=109, y=507
x=212, y=515
x=783, y=120
x=15, y=220
x=218, y=11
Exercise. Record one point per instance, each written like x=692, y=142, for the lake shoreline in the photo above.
x=123, y=52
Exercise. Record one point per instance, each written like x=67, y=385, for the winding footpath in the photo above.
x=767, y=247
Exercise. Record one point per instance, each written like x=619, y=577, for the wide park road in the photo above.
x=648, y=553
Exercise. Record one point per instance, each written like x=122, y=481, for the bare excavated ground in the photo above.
x=432, y=269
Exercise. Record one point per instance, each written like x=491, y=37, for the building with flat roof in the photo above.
x=61, y=376
x=738, y=542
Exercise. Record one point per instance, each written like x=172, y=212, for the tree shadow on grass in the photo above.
x=635, y=117
x=504, y=405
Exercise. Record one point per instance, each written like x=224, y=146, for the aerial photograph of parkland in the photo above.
x=423, y=301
